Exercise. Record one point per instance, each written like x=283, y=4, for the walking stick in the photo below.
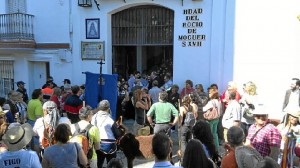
x=179, y=135
x=292, y=143
x=285, y=153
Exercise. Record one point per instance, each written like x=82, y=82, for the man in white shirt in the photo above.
x=103, y=121
x=232, y=115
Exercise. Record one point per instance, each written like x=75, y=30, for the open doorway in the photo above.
x=142, y=39
x=126, y=59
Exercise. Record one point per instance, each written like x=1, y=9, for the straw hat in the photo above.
x=145, y=131
x=294, y=114
x=4, y=110
x=14, y=96
x=18, y=137
x=247, y=157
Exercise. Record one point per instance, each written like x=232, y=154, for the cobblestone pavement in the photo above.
x=143, y=163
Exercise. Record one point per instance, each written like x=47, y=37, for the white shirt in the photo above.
x=232, y=113
x=103, y=122
x=293, y=102
x=39, y=128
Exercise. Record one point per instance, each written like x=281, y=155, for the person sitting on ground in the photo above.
x=235, y=137
x=63, y=153
x=162, y=147
x=195, y=157
x=16, y=139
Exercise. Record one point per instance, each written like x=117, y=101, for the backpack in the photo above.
x=82, y=138
x=189, y=119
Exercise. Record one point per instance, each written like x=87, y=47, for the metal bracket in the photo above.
x=97, y=4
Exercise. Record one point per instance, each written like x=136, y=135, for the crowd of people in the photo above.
x=43, y=131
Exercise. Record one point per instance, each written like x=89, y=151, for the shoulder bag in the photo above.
x=212, y=113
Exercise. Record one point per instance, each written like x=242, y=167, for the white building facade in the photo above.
x=209, y=41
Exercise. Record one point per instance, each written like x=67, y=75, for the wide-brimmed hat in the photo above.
x=145, y=131
x=15, y=96
x=294, y=114
x=3, y=111
x=259, y=109
x=247, y=157
x=18, y=137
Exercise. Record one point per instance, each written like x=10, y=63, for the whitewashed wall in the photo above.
x=267, y=38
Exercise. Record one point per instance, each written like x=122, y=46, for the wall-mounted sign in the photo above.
x=193, y=24
x=92, y=50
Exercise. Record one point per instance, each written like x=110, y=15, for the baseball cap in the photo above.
x=20, y=82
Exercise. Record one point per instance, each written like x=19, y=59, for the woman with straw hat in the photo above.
x=290, y=125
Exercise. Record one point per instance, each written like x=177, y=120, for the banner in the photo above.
x=94, y=92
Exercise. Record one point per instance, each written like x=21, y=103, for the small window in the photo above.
x=6, y=77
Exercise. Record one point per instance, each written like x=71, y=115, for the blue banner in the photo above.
x=94, y=92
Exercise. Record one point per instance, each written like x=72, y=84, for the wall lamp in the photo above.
x=85, y=3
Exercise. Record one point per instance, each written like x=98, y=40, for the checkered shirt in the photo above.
x=267, y=137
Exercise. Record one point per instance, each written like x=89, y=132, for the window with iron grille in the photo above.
x=16, y=6
x=6, y=77
x=143, y=25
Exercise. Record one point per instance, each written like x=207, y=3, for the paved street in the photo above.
x=141, y=163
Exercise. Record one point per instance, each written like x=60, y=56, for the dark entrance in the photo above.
x=142, y=39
